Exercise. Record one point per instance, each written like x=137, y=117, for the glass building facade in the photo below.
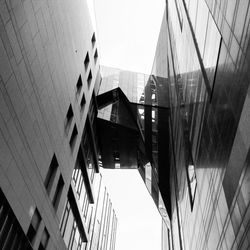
x=207, y=69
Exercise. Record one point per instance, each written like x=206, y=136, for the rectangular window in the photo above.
x=70, y=114
x=65, y=218
x=72, y=140
x=58, y=192
x=86, y=61
x=34, y=225
x=89, y=80
x=93, y=40
x=69, y=118
x=49, y=180
x=11, y=233
x=69, y=228
x=79, y=85
x=72, y=236
x=85, y=206
x=44, y=240
x=83, y=101
x=95, y=56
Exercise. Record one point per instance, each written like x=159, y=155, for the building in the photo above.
x=134, y=119
x=51, y=195
x=207, y=69
x=185, y=127
x=201, y=69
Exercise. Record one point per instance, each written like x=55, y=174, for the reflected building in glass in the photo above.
x=207, y=62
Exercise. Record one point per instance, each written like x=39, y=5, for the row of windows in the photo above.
x=11, y=233
x=69, y=229
x=88, y=152
x=50, y=182
x=79, y=84
x=87, y=60
x=68, y=125
x=82, y=196
x=33, y=229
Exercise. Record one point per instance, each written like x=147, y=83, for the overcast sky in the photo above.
x=127, y=33
x=139, y=222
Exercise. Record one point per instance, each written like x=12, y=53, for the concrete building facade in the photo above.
x=49, y=186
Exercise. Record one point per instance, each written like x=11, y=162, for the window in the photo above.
x=34, y=225
x=79, y=85
x=85, y=206
x=117, y=165
x=11, y=233
x=70, y=114
x=92, y=109
x=86, y=61
x=72, y=236
x=89, y=78
x=70, y=228
x=58, y=192
x=72, y=140
x=83, y=101
x=44, y=240
x=48, y=183
x=96, y=56
x=88, y=153
x=93, y=40
x=65, y=218
x=69, y=118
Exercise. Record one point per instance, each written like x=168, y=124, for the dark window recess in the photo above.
x=89, y=80
x=96, y=55
x=93, y=40
x=44, y=240
x=49, y=180
x=65, y=218
x=34, y=225
x=83, y=101
x=73, y=137
x=69, y=117
x=79, y=85
x=86, y=61
x=58, y=193
x=11, y=233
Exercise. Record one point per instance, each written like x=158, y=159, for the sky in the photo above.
x=139, y=222
x=127, y=33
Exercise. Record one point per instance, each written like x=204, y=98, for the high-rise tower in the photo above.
x=51, y=196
